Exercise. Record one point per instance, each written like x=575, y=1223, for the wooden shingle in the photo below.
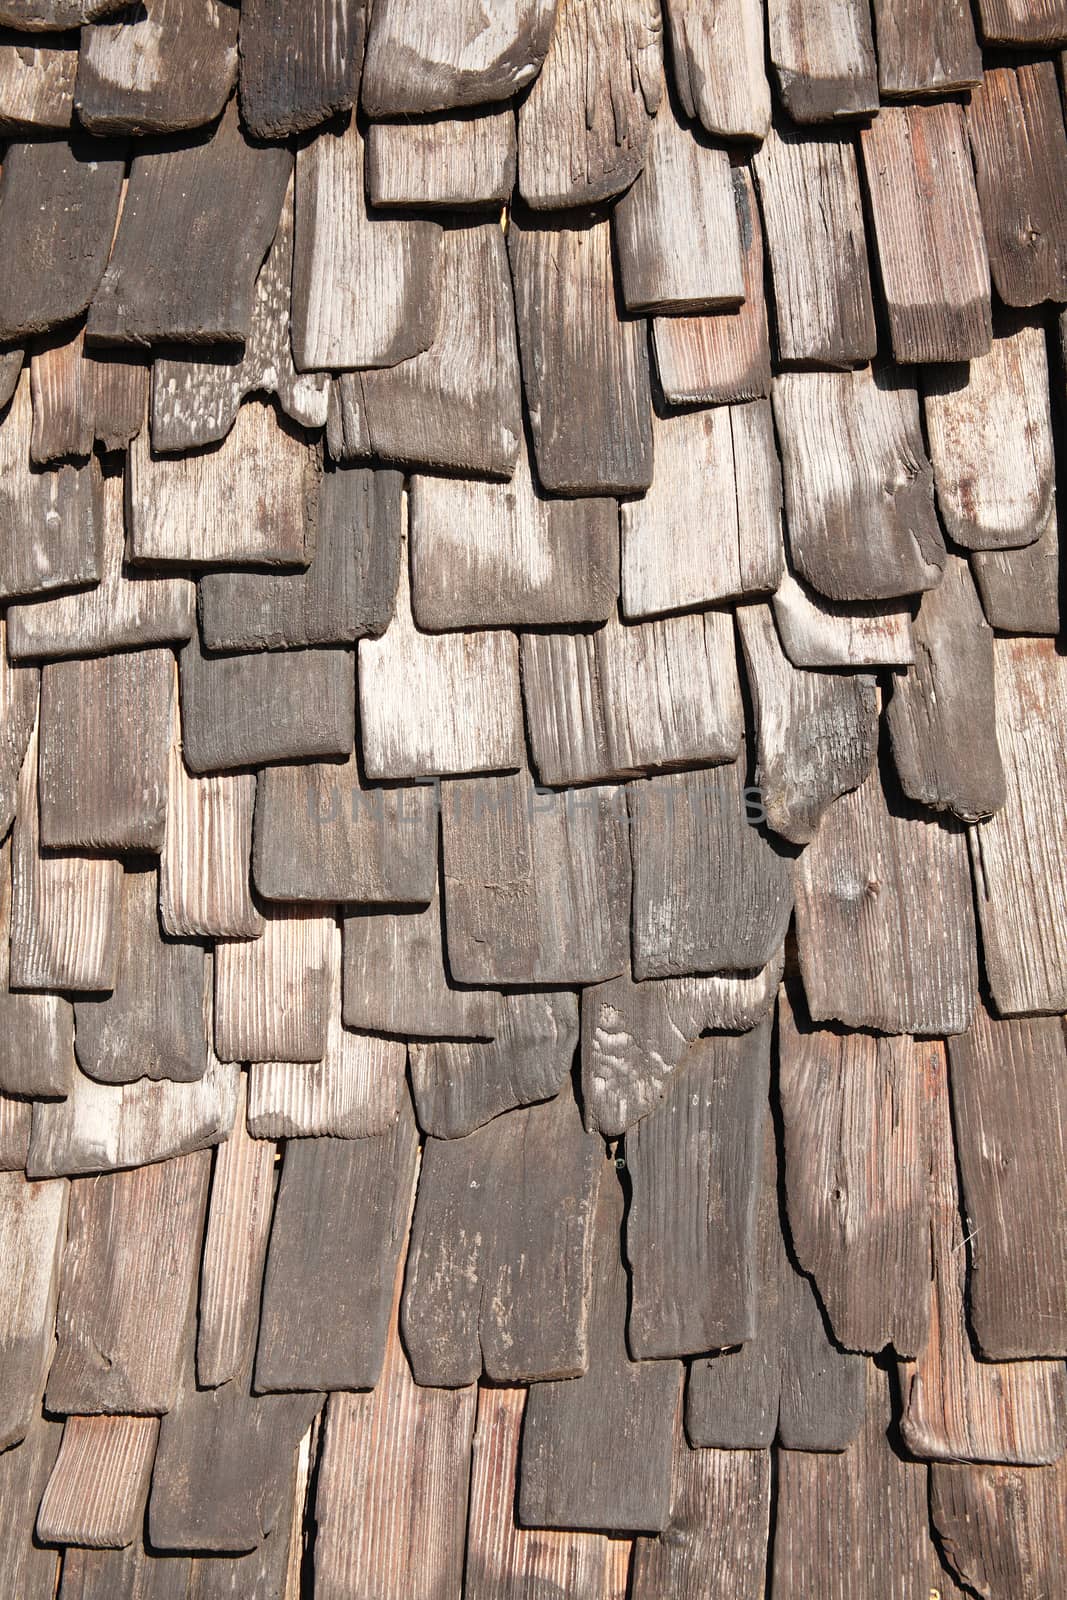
x=169, y=67
x=36, y=1030
x=16, y=1117
x=60, y=387
x=461, y=60
x=204, y=888
x=1023, y=22
x=1002, y=1528
x=19, y=689
x=36, y=84
x=301, y=66
x=33, y=1227
x=717, y=62
x=96, y=1494
x=925, y=48
x=1020, y=589
x=823, y=56
x=462, y=163
x=271, y=993
x=30, y=1570
x=819, y=633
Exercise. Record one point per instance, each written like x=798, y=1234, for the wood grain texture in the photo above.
x=101, y=1127
x=1020, y=589
x=340, y=248
x=717, y=62
x=816, y=632
x=235, y=1248
x=464, y=56
x=127, y=1298
x=724, y=357
x=941, y=720
x=97, y=1574
x=271, y=993
x=955, y=1407
x=33, y=1225
x=710, y=527
x=500, y=554
x=153, y=1023
x=96, y=1494
x=858, y=484
x=627, y=699
x=196, y=402
x=36, y=1030
x=536, y=885
x=925, y=49
x=458, y=163
x=856, y=1149
x=301, y=67
x=458, y=405
x=585, y=372
x=197, y=220
x=254, y=497
x=676, y=233
x=1019, y=856
x=694, y=1167
x=931, y=247
x=46, y=16
x=126, y=610
x=61, y=392
x=59, y=200
x=120, y=383
x=396, y=980
x=877, y=950
x=339, y=1227
x=498, y=1269
x=1007, y=1084
x=1015, y=123
x=204, y=886
x=715, y=1541
x=1002, y=1528
x=1023, y=22
x=823, y=56
x=460, y=1086
x=16, y=1117
x=36, y=84
x=59, y=512
x=635, y=1036
x=64, y=908
x=816, y=732
x=990, y=434
x=31, y=1570
x=323, y=833
x=813, y=212
x=596, y=1450
x=710, y=894
x=169, y=67
x=19, y=689
x=10, y=368
x=105, y=731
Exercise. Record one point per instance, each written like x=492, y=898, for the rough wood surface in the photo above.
x=339, y=1227
x=498, y=1269
x=710, y=893
x=271, y=993
x=33, y=1227
x=990, y=434
x=536, y=884
x=856, y=1168
x=196, y=402
x=635, y=1036
x=1020, y=589
x=104, y=739
x=197, y=220
x=204, y=886
x=127, y=1298
x=340, y=247
x=10, y=368
x=931, y=247
x=120, y=383
x=816, y=632
x=36, y=84
x=169, y=66
x=877, y=950
x=301, y=66
x=725, y=357
x=953, y=1406
x=596, y=1450
x=584, y=371
x=30, y=1570
x=254, y=497
x=1023, y=22
x=98, y=1574
x=47, y=16
x=396, y=980
x=925, y=47
x=1008, y=1103
x=60, y=389
x=717, y=61
x=1003, y=1529
x=941, y=720
x=458, y=1087
x=36, y=1030
x=126, y=610
x=626, y=699
x=1019, y=856
x=235, y=1248
x=19, y=689
x=16, y=1117
x=59, y=201
x=457, y=406
x=710, y=527
x=816, y=732
x=813, y=213
x=858, y=485
x=99, y=1484
x=463, y=56
x=823, y=56
x=694, y=1169
x=462, y=163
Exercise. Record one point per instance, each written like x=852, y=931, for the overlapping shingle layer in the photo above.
x=533, y=897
